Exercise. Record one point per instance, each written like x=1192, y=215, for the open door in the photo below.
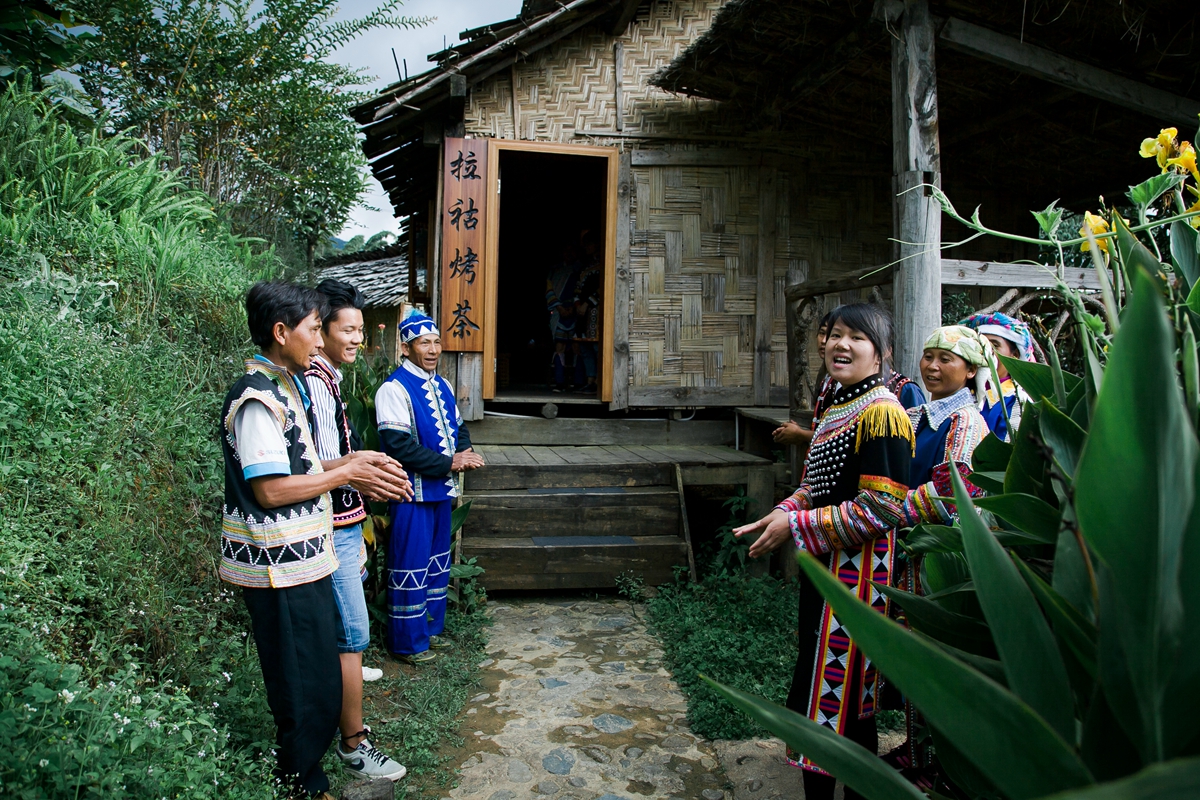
x=551, y=222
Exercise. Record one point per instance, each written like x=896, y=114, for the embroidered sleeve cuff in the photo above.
x=266, y=468
x=806, y=530
x=922, y=505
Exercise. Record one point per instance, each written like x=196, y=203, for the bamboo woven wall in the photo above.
x=570, y=86
x=694, y=260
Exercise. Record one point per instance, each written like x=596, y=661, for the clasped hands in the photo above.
x=466, y=461
x=378, y=476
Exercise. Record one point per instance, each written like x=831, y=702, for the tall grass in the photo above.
x=120, y=325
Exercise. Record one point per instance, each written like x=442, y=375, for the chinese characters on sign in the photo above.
x=463, y=235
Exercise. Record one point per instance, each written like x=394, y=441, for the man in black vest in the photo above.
x=277, y=526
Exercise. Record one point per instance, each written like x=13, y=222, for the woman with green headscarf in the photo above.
x=948, y=427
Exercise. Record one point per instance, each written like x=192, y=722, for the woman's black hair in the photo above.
x=269, y=302
x=872, y=320
x=339, y=295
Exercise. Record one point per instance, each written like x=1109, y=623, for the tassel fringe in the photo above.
x=882, y=419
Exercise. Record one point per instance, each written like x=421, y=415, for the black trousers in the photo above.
x=296, y=633
x=861, y=731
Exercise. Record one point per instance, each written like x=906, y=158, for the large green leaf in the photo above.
x=1027, y=647
x=1185, y=252
x=987, y=723
x=1145, y=193
x=944, y=539
x=988, y=666
x=991, y=455
x=1105, y=748
x=1026, y=513
x=989, y=481
x=957, y=630
x=1133, y=494
x=459, y=515
x=1183, y=707
x=1026, y=468
x=854, y=765
x=1174, y=780
x=1072, y=628
x=1070, y=578
x=1063, y=436
x=1037, y=379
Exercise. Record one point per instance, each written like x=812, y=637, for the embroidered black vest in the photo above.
x=278, y=547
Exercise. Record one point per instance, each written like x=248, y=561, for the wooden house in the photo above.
x=737, y=165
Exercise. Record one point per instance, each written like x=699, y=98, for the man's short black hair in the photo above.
x=339, y=295
x=269, y=302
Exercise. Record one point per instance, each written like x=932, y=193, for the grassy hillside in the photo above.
x=124, y=666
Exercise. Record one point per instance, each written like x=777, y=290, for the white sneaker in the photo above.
x=371, y=674
x=366, y=761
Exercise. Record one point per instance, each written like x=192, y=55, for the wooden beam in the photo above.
x=764, y=302
x=623, y=286
x=710, y=157
x=1084, y=78
x=916, y=160
x=625, y=16
x=846, y=282
x=618, y=77
x=956, y=272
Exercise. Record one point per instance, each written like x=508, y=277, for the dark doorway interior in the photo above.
x=548, y=204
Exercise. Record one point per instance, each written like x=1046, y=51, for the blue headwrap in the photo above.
x=416, y=325
x=1005, y=327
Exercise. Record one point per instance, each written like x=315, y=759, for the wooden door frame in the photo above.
x=492, y=253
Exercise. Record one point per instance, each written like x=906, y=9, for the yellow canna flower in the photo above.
x=1096, y=225
x=1160, y=148
x=1186, y=160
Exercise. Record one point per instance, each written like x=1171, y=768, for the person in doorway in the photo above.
x=1009, y=337
x=342, y=334
x=845, y=513
x=560, y=289
x=420, y=425
x=277, y=526
x=587, y=315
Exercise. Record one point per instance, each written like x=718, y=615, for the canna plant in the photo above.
x=1056, y=650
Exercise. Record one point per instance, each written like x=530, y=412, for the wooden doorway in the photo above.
x=555, y=193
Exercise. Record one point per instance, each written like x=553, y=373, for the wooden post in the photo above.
x=622, y=290
x=618, y=74
x=764, y=301
x=917, y=282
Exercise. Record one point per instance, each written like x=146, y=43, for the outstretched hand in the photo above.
x=773, y=529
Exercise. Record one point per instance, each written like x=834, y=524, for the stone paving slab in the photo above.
x=576, y=705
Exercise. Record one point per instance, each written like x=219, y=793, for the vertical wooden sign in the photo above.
x=463, y=235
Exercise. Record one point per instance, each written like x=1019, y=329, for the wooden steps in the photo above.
x=577, y=516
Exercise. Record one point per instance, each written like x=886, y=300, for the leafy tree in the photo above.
x=38, y=38
x=241, y=98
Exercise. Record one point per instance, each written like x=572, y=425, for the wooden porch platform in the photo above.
x=577, y=516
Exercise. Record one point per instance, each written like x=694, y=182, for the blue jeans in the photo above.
x=354, y=634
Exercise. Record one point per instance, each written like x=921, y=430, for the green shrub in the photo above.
x=738, y=629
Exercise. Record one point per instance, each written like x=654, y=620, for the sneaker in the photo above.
x=423, y=657
x=371, y=674
x=438, y=643
x=367, y=761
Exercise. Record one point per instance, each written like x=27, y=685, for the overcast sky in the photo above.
x=374, y=51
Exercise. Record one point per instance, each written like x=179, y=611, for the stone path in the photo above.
x=576, y=704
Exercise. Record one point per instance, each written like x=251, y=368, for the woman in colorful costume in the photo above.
x=845, y=513
x=949, y=427
x=1009, y=337
x=420, y=426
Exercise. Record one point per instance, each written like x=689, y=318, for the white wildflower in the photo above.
x=67, y=695
x=43, y=763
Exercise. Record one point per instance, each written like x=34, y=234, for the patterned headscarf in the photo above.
x=1006, y=327
x=970, y=346
x=416, y=325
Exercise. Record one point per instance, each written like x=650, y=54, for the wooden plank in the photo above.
x=690, y=396
x=469, y=388
x=771, y=414
x=764, y=298
x=622, y=286
x=517, y=456
x=916, y=285
x=623, y=454
x=545, y=456
x=683, y=519
x=1030, y=59
x=619, y=75
x=578, y=431
x=544, y=582
x=653, y=514
x=520, y=556
x=493, y=455
x=536, y=476
x=711, y=157
x=724, y=475
x=463, y=265
x=956, y=272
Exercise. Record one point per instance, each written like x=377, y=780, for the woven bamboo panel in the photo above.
x=570, y=86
